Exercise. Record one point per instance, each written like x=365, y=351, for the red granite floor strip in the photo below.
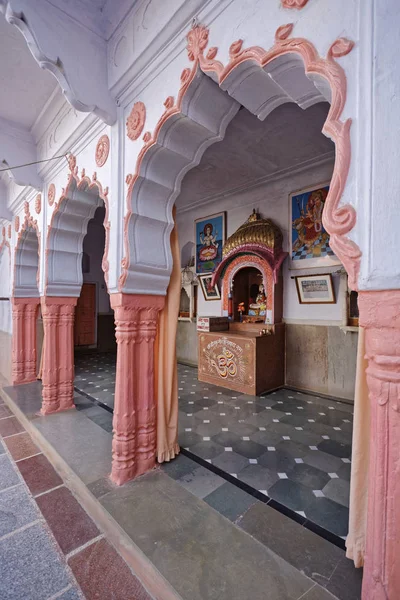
x=10, y=426
x=101, y=573
x=21, y=446
x=70, y=524
x=38, y=473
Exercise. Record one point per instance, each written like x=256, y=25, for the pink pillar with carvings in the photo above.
x=380, y=316
x=58, y=354
x=134, y=423
x=24, y=314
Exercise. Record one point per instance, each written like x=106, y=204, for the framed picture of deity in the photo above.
x=209, y=233
x=309, y=241
x=209, y=292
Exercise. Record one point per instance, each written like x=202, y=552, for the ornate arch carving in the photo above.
x=67, y=229
x=27, y=258
x=338, y=220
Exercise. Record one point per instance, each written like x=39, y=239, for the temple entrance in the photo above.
x=266, y=363
x=94, y=330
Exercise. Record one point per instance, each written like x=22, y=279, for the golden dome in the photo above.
x=255, y=231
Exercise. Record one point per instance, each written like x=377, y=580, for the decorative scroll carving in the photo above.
x=134, y=423
x=102, y=150
x=51, y=194
x=136, y=120
x=235, y=48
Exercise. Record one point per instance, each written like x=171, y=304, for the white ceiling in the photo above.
x=24, y=86
x=254, y=149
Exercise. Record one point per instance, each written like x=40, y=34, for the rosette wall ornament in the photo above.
x=136, y=120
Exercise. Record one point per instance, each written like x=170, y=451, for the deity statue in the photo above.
x=259, y=307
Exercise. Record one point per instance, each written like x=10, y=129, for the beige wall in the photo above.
x=186, y=343
x=319, y=358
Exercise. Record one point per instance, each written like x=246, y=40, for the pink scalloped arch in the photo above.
x=338, y=220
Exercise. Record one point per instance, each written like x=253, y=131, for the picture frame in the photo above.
x=209, y=235
x=315, y=289
x=308, y=240
x=208, y=292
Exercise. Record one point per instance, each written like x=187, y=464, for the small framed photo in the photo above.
x=315, y=289
x=209, y=233
x=209, y=292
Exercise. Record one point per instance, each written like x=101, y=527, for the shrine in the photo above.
x=249, y=355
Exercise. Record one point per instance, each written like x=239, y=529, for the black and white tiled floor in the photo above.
x=293, y=447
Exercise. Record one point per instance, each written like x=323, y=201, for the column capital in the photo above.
x=58, y=300
x=137, y=301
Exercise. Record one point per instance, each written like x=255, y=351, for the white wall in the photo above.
x=272, y=201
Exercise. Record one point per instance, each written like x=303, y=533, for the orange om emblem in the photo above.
x=225, y=364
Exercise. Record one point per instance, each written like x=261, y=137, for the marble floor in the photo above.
x=292, y=448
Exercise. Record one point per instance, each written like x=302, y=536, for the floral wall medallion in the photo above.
x=17, y=224
x=38, y=203
x=136, y=120
x=102, y=150
x=51, y=194
x=294, y=3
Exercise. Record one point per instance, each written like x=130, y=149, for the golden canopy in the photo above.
x=255, y=231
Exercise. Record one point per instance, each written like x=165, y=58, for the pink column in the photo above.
x=24, y=313
x=134, y=423
x=380, y=316
x=58, y=355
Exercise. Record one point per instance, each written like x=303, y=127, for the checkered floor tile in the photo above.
x=292, y=446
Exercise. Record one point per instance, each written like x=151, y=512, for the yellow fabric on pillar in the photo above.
x=165, y=366
x=355, y=542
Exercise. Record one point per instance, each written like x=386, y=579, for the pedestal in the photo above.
x=380, y=316
x=24, y=314
x=134, y=423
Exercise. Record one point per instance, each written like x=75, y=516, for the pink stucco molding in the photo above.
x=134, y=423
x=85, y=184
x=24, y=313
x=380, y=316
x=293, y=3
x=58, y=353
x=338, y=219
x=28, y=223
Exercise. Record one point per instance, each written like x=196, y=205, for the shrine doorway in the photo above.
x=291, y=446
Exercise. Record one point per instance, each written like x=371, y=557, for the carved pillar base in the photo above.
x=58, y=356
x=24, y=313
x=380, y=316
x=134, y=423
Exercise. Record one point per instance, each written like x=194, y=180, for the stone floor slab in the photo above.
x=39, y=474
x=69, y=523
x=8, y=475
x=200, y=482
x=230, y=501
x=21, y=446
x=224, y=563
x=30, y=566
x=10, y=426
x=16, y=509
x=102, y=574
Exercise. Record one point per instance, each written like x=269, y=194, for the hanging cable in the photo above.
x=36, y=162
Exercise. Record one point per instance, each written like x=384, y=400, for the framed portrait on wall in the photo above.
x=209, y=292
x=309, y=241
x=209, y=233
x=315, y=289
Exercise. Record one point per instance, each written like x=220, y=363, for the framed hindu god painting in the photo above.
x=315, y=289
x=209, y=233
x=309, y=241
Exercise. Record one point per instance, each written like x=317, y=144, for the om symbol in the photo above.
x=225, y=364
